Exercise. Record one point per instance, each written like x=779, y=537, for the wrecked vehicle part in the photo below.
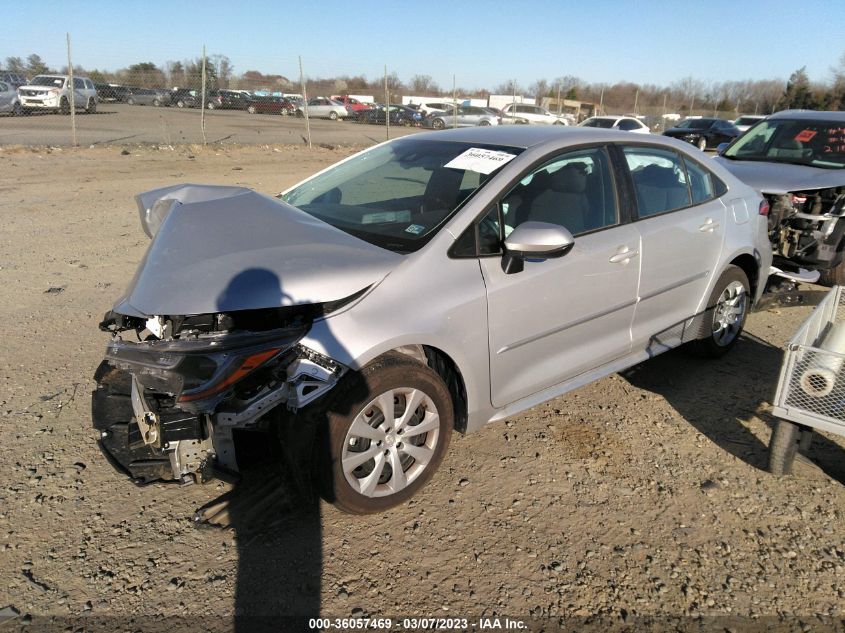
x=796, y=160
x=806, y=227
x=167, y=409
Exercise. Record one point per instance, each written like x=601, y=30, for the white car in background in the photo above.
x=533, y=114
x=747, y=120
x=9, y=100
x=52, y=92
x=610, y=122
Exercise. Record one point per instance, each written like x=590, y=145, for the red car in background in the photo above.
x=352, y=104
x=270, y=105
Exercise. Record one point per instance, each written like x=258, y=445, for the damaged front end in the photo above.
x=806, y=228
x=168, y=402
x=206, y=338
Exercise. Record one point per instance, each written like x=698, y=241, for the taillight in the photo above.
x=764, y=207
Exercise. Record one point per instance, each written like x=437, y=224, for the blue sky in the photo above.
x=482, y=43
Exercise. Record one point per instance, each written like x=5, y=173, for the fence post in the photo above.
x=386, y=105
x=202, y=100
x=304, y=103
x=72, y=92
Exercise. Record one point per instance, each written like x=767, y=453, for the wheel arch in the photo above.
x=445, y=366
x=751, y=267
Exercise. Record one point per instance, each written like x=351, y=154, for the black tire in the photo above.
x=484, y=123
x=156, y=103
x=180, y=104
x=720, y=340
x=64, y=106
x=91, y=108
x=333, y=115
x=702, y=143
x=300, y=114
x=130, y=101
x=356, y=398
x=783, y=447
x=17, y=110
x=438, y=124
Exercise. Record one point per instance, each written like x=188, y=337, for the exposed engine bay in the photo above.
x=168, y=401
x=806, y=228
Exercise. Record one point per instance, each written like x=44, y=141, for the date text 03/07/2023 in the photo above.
x=417, y=624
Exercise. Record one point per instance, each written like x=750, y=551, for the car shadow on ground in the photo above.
x=718, y=397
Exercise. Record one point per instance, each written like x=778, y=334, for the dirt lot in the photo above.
x=121, y=123
x=640, y=498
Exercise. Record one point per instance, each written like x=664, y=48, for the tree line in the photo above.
x=685, y=96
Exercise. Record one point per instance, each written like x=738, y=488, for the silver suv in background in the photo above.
x=53, y=92
x=436, y=282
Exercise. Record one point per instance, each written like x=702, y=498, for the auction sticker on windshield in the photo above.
x=482, y=161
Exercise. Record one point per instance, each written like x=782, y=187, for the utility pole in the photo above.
x=202, y=100
x=386, y=105
x=304, y=103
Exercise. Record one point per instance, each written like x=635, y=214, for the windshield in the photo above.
x=801, y=142
x=604, y=123
x=695, y=124
x=45, y=80
x=398, y=195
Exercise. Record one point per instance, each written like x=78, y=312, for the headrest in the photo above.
x=569, y=179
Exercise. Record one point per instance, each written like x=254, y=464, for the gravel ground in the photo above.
x=638, y=501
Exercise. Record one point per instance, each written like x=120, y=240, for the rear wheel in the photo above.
x=725, y=315
x=17, y=110
x=484, y=123
x=210, y=105
x=156, y=102
x=333, y=115
x=91, y=108
x=130, y=101
x=387, y=429
x=180, y=104
x=251, y=109
x=64, y=106
x=702, y=143
x=438, y=124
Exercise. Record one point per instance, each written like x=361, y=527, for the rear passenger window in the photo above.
x=700, y=184
x=660, y=180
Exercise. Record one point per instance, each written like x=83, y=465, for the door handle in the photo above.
x=709, y=226
x=623, y=257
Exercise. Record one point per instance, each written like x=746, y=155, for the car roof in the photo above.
x=526, y=136
x=814, y=115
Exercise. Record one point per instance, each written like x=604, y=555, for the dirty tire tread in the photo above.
x=706, y=347
x=335, y=415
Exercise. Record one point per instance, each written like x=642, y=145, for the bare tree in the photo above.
x=423, y=85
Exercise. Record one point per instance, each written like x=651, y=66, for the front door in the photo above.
x=558, y=318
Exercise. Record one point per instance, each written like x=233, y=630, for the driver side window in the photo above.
x=574, y=190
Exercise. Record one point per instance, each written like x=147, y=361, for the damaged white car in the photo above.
x=433, y=283
x=796, y=158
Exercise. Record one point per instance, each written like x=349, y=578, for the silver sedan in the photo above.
x=9, y=100
x=435, y=283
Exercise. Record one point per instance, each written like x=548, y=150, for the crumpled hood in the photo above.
x=780, y=178
x=218, y=249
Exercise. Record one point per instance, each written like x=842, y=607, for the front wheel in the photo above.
x=438, y=124
x=180, y=104
x=387, y=428
x=210, y=105
x=17, y=110
x=702, y=143
x=91, y=108
x=333, y=116
x=484, y=123
x=251, y=109
x=64, y=106
x=725, y=315
x=156, y=103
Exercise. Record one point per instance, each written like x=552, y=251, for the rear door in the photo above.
x=682, y=229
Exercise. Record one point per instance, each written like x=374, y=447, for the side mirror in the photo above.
x=535, y=240
x=721, y=147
